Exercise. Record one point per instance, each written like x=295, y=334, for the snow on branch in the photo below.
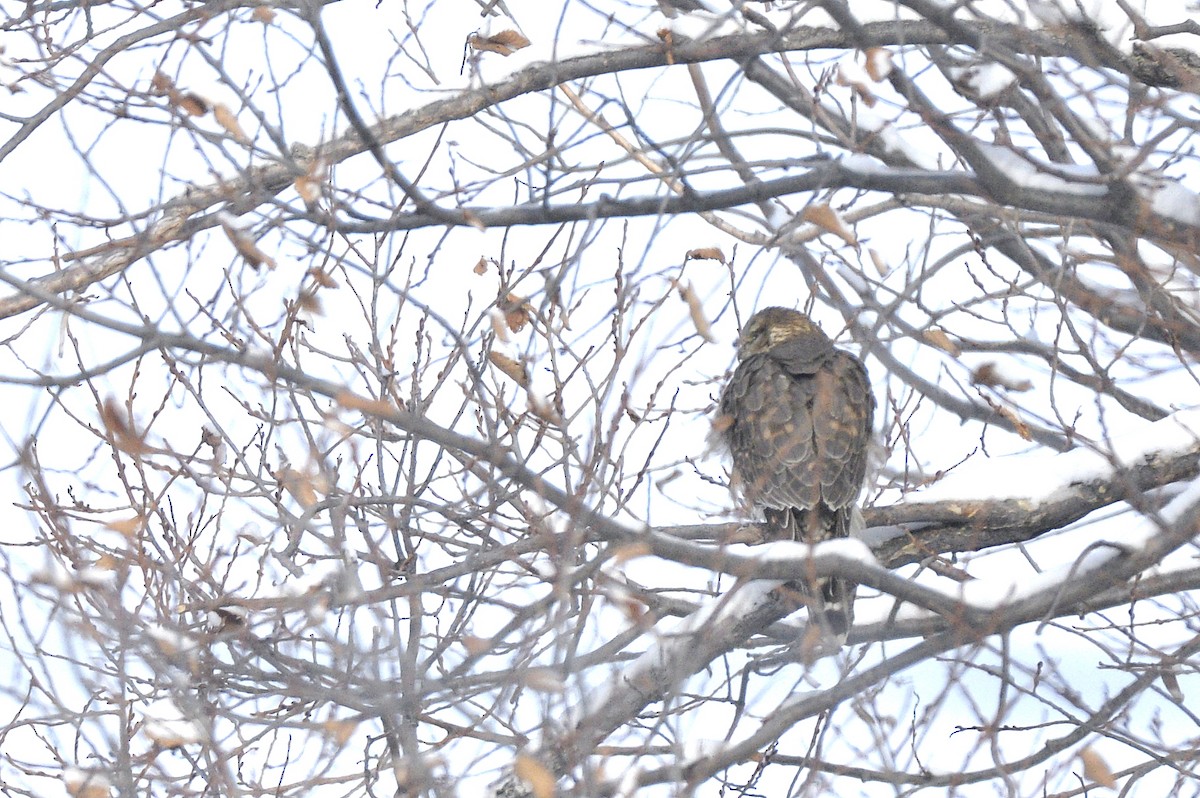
x=1005, y=500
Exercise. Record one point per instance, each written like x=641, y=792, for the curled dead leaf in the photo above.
x=629, y=551
x=308, y=302
x=544, y=409
x=473, y=219
x=513, y=369
x=129, y=527
x=1019, y=426
x=162, y=85
x=535, y=775
x=321, y=278
x=706, y=253
x=228, y=120
x=937, y=337
x=667, y=37
x=878, y=63
x=311, y=184
x=812, y=643
x=191, y=103
x=695, y=310
x=992, y=375
x=853, y=76
x=246, y=247
x=121, y=430
x=829, y=220
x=475, y=645
x=517, y=311
x=340, y=731
x=302, y=486
x=371, y=407
x=506, y=42
x=880, y=264
x=86, y=784
x=545, y=680
x=499, y=324
x=1096, y=769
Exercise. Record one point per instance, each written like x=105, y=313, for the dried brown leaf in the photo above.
x=850, y=77
x=308, y=302
x=992, y=375
x=515, y=370
x=517, y=312
x=695, y=310
x=228, y=120
x=321, y=278
x=106, y=562
x=300, y=485
x=311, y=184
x=475, y=645
x=706, y=253
x=188, y=102
x=506, y=42
x=84, y=784
x=473, y=219
x=129, y=527
x=543, y=409
x=247, y=248
x=308, y=189
x=481, y=266
x=829, y=220
x=499, y=324
x=263, y=14
x=540, y=780
x=878, y=63
x=812, y=643
x=545, y=680
x=1019, y=426
x=124, y=436
x=881, y=265
x=340, y=731
x=629, y=551
x=937, y=337
x=1096, y=769
x=633, y=609
x=667, y=37
x=191, y=103
x=162, y=85
x=370, y=407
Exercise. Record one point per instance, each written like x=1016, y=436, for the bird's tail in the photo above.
x=837, y=614
x=830, y=599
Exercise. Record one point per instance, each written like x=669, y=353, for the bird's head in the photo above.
x=773, y=326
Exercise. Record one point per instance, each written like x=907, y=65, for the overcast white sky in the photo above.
x=134, y=169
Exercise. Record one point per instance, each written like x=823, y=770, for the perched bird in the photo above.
x=796, y=417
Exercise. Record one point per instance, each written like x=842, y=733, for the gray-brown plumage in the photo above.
x=796, y=417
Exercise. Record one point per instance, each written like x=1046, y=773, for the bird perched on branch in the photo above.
x=796, y=417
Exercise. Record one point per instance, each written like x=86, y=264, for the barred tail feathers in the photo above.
x=831, y=599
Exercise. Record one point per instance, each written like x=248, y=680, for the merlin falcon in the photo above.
x=796, y=417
